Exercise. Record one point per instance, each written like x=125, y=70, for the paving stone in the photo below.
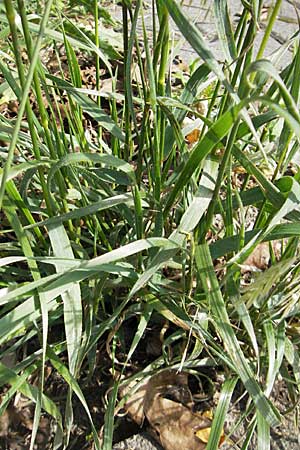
x=201, y=13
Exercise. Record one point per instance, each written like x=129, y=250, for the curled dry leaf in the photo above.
x=176, y=425
x=166, y=401
x=169, y=384
x=167, y=406
x=260, y=257
x=135, y=403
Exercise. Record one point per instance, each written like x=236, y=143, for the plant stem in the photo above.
x=269, y=29
x=26, y=89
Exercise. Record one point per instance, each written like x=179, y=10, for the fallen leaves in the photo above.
x=135, y=403
x=191, y=130
x=260, y=257
x=166, y=401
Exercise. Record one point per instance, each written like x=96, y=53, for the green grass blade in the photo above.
x=71, y=298
x=263, y=432
x=224, y=30
x=85, y=210
x=64, y=372
x=25, y=93
x=228, y=245
x=90, y=107
x=82, y=271
x=189, y=221
x=109, y=418
x=144, y=320
x=220, y=414
x=76, y=158
x=194, y=37
x=8, y=376
x=213, y=136
x=15, y=382
x=224, y=327
x=271, y=345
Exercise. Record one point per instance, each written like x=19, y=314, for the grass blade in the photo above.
x=25, y=93
x=220, y=414
x=224, y=327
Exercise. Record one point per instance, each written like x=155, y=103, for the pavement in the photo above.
x=201, y=13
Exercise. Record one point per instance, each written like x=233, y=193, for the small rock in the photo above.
x=141, y=441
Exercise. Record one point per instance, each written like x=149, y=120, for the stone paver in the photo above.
x=201, y=13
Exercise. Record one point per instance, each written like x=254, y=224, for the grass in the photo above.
x=103, y=200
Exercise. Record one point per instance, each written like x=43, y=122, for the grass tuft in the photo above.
x=130, y=200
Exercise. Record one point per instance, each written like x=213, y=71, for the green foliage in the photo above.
x=103, y=199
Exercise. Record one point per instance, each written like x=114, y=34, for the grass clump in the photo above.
x=116, y=216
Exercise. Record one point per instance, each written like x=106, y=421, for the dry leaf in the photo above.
x=193, y=136
x=44, y=432
x=260, y=257
x=169, y=382
x=167, y=407
x=135, y=403
x=191, y=130
x=176, y=424
x=4, y=423
x=204, y=433
x=166, y=401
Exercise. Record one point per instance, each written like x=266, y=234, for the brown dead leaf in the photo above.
x=44, y=432
x=135, y=403
x=13, y=418
x=25, y=416
x=4, y=423
x=166, y=401
x=167, y=406
x=170, y=384
x=191, y=130
x=176, y=424
x=193, y=136
x=260, y=257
